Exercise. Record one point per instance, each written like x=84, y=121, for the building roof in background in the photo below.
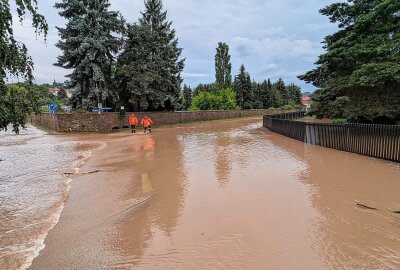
x=54, y=90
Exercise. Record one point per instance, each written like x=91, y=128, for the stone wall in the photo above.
x=108, y=122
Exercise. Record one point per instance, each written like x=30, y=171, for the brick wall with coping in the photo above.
x=108, y=122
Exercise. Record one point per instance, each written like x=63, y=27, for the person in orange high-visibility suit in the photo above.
x=146, y=123
x=133, y=122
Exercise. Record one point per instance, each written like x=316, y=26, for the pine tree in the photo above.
x=187, y=97
x=223, y=66
x=281, y=88
x=149, y=67
x=15, y=61
x=257, y=96
x=294, y=93
x=89, y=43
x=278, y=99
x=243, y=88
x=266, y=94
x=361, y=63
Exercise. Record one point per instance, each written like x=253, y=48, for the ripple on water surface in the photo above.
x=32, y=192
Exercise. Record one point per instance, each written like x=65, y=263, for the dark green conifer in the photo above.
x=243, y=88
x=361, y=64
x=150, y=65
x=89, y=43
x=187, y=97
x=280, y=87
x=294, y=93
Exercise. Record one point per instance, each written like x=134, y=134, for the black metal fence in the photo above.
x=380, y=141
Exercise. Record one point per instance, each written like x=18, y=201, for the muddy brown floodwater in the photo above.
x=226, y=195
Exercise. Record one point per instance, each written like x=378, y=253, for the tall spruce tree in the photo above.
x=266, y=94
x=361, y=63
x=243, y=88
x=294, y=93
x=15, y=61
x=89, y=43
x=223, y=66
x=281, y=88
x=149, y=67
x=187, y=97
x=257, y=96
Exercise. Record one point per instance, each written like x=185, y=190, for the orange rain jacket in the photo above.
x=146, y=121
x=133, y=120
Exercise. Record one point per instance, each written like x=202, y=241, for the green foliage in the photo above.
x=223, y=66
x=223, y=99
x=294, y=93
x=18, y=105
x=281, y=94
x=257, y=100
x=14, y=59
x=62, y=94
x=265, y=94
x=242, y=86
x=339, y=120
x=89, y=43
x=186, y=97
x=210, y=88
x=277, y=97
x=362, y=62
x=149, y=67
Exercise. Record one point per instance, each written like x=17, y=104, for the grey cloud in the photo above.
x=273, y=38
x=194, y=75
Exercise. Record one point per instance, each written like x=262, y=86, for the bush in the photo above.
x=339, y=120
x=224, y=99
x=15, y=106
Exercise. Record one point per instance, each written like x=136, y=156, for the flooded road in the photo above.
x=32, y=192
x=226, y=195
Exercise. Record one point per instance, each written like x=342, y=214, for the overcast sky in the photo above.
x=272, y=38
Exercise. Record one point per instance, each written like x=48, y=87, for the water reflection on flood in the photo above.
x=350, y=236
x=239, y=197
x=219, y=200
x=228, y=195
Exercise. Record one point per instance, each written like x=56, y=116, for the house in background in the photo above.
x=56, y=88
x=306, y=101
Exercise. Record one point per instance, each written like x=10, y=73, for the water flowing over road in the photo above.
x=226, y=195
x=236, y=196
x=32, y=192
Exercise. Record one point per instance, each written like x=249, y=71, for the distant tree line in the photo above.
x=243, y=92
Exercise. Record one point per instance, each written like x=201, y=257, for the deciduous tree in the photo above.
x=223, y=66
x=15, y=61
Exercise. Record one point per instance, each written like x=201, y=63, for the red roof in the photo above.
x=54, y=90
x=306, y=100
